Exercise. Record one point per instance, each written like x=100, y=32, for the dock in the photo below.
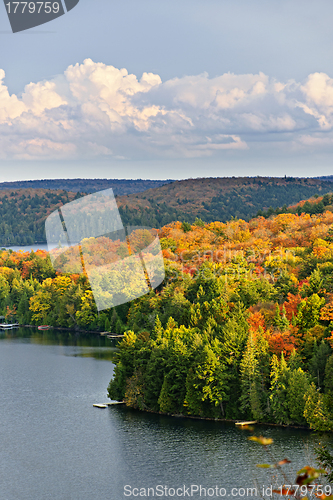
x=250, y=422
x=110, y=335
x=106, y=405
x=8, y=326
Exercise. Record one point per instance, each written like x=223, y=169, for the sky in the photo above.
x=169, y=89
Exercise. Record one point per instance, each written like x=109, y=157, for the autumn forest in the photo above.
x=241, y=327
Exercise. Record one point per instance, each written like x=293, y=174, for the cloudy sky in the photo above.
x=169, y=89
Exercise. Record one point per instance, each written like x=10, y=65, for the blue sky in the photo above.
x=156, y=89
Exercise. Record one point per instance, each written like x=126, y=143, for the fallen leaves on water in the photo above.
x=261, y=440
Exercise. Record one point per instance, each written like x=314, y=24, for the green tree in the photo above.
x=279, y=389
x=328, y=381
x=316, y=411
x=298, y=385
x=309, y=312
x=318, y=362
x=253, y=369
x=206, y=381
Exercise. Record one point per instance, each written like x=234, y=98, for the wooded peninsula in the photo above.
x=241, y=327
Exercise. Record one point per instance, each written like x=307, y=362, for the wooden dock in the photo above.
x=250, y=422
x=110, y=335
x=8, y=326
x=105, y=405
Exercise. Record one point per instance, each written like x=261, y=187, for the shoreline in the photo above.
x=193, y=417
x=74, y=330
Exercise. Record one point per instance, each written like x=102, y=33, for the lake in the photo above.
x=56, y=445
x=27, y=248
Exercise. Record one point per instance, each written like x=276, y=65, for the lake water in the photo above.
x=56, y=445
x=28, y=248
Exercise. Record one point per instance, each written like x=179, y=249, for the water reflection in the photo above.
x=83, y=344
x=177, y=451
x=56, y=445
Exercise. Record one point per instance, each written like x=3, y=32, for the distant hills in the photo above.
x=23, y=213
x=325, y=178
x=216, y=199
x=119, y=186
x=23, y=210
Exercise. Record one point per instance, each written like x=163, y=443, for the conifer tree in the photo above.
x=279, y=389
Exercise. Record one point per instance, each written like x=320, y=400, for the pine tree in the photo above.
x=298, y=386
x=279, y=390
x=316, y=411
x=318, y=363
x=157, y=332
x=250, y=400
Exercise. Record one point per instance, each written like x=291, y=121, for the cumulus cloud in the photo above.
x=96, y=110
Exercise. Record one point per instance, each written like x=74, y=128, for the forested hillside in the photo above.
x=119, y=186
x=23, y=213
x=241, y=327
x=315, y=205
x=216, y=199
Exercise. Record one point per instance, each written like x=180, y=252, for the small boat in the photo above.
x=100, y=406
x=44, y=327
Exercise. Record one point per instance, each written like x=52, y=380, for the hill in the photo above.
x=119, y=186
x=325, y=178
x=23, y=213
x=215, y=199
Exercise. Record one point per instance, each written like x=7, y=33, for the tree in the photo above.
x=298, y=385
x=279, y=390
x=250, y=381
x=316, y=412
x=134, y=394
x=328, y=381
x=280, y=319
x=295, y=361
x=309, y=312
x=206, y=381
x=186, y=227
x=125, y=359
x=318, y=363
x=87, y=313
x=172, y=395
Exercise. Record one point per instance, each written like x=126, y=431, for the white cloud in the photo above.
x=98, y=110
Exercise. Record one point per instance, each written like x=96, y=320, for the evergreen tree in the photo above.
x=316, y=412
x=250, y=382
x=279, y=389
x=298, y=385
x=318, y=362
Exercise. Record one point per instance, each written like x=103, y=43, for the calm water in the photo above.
x=56, y=445
x=28, y=248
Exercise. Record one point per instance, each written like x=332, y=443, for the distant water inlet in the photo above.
x=56, y=445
